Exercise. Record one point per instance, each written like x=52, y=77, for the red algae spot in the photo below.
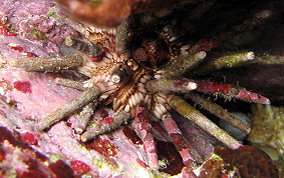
x=5, y=31
x=19, y=49
x=107, y=120
x=61, y=170
x=24, y=87
x=167, y=152
x=81, y=167
x=29, y=138
x=131, y=135
x=30, y=54
x=104, y=147
x=141, y=163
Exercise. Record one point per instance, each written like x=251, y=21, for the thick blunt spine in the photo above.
x=227, y=61
x=183, y=64
x=196, y=117
x=47, y=64
x=171, y=85
x=218, y=111
x=87, y=96
x=98, y=128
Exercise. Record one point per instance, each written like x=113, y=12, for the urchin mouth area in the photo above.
x=133, y=93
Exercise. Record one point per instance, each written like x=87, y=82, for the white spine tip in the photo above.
x=191, y=85
x=200, y=55
x=79, y=130
x=250, y=56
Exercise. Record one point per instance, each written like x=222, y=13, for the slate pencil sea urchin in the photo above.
x=139, y=86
